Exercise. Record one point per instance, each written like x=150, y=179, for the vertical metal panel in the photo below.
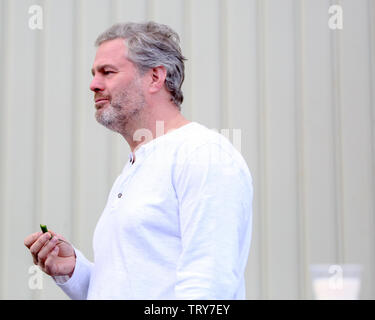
x=205, y=66
x=224, y=67
x=318, y=146
x=186, y=47
x=3, y=57
x=169, y=12
x=299, y=30
x=281, y=151
x=56, y=140
x=261, y=46
x=77, y=80
x=242, y=110
x=5, y=33
x=356, y=139
x=371, y=40
x=129, y=11
x=39, y=215
x=337, y=141
x=18, y=171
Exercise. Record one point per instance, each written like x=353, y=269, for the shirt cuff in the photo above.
x=76, y=286
x=60, y=279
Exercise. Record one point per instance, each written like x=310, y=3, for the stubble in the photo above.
x=126, y=106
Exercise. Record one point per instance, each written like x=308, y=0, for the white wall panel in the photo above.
x=318, y=137
x=241, y=108
x=18, y=172
x=371, y=21
x=206, y=68
x=356, y=140
x=260, y=183
x=281, y=151
x=55, y=123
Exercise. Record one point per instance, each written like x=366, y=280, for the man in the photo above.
x=177, y=223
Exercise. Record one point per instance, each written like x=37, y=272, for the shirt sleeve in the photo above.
x=77, y=286
x=214, y=189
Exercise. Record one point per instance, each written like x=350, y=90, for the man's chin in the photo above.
x=103, y=119
x=109, y=120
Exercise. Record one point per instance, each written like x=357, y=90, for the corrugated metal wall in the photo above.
x=302, y=95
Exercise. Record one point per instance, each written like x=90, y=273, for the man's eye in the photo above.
x=107, y=72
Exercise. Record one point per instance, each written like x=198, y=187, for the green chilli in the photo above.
x=44, y=228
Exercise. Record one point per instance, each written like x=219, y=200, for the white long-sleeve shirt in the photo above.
x=177, y=224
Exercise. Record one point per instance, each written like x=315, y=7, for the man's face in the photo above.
x=117, y=85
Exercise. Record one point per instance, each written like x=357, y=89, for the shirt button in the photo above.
x=119, y=195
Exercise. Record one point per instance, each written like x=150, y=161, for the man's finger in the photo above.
x=50, y=263
x=53, y=233
x=44, y=252
x=39, y=243
x=29, y=240
x=58, y=236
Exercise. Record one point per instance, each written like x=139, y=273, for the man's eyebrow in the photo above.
x=101, y=67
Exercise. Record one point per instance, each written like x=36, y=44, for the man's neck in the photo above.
x=152, y=127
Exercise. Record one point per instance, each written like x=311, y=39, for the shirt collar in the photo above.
x=149, y=146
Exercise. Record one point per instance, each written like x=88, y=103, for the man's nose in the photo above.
x=96, y=85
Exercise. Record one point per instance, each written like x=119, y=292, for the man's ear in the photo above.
x=158, y=75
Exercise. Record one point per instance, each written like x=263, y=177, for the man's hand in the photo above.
x=54, y=256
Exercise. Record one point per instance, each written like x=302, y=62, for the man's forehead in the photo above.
x=111, y=52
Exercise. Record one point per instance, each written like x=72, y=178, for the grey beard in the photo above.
x=124, y=107
x=113, y=119
x=116, y=118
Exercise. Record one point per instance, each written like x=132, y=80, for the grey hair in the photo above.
x=150, y=45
